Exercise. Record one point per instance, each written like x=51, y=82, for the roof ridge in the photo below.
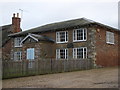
x=88, y=19
x=62, y=22
x=6, y=25
x=36, y=35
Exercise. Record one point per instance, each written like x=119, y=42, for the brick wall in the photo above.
x=101, y=53
x=43, y=50
x=90, y=43
x=6, y=50
x=48, y=50
x=107, y=54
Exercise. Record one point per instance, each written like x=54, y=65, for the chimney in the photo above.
x=16, y=23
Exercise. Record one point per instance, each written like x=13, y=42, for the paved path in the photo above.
x=95, y=78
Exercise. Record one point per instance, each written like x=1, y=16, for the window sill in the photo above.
x=80, y=58
x=61, y=42
x=110, y=43
x=61, y=59
x=17, y=46
x=17, y=60
x=79, y=40
x=31, y=59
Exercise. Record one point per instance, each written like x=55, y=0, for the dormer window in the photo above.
x=80, y=34
x=17, y=41
x=62, y=37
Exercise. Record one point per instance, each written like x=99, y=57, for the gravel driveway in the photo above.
x=95, y=78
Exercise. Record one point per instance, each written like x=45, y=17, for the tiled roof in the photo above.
x=61, y=25
x=5, y=31
x=42, y=38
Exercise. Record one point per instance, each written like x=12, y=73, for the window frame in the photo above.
x=16, y=56
x=58, y=54
x=75, y=34
x=16, y=42
x=58, y=37
x=75, y=53
x=108, y=37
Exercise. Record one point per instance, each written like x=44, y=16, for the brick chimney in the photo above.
x=16, y=23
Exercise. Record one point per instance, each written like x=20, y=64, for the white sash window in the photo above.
x=80, y=53
x=80, y=34
x=62, y=37
x=109, y=37
x=61, y=53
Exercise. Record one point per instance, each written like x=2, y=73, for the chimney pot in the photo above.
x=14, y=15
x=18, y=15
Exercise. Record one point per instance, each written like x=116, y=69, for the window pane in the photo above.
x=74, y=35
x=107, y=36
x=66, y=54
x=57, y=54
x=62, y=36
x=74, y=53
x=32, y=53
x=85, y=53
x=66, y=36
x=62, y=54
x=57, y=38
x=85, y=34
x=79, y=34
x=28, y=53
x=80, y=53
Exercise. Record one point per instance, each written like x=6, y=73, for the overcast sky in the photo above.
x=49, y=11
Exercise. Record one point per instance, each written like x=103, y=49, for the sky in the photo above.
x=37, y=13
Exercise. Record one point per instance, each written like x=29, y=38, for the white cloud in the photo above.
x=59, y=1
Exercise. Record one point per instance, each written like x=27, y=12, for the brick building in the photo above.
x=6, y=42
x=73, y=39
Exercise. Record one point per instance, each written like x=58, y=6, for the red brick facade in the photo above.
x=107, y=54
x=6, y=51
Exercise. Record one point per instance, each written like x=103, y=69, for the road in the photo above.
x=95, y=78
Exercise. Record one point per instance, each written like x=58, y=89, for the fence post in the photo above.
x=26, y=67
x=51, y=65
x=36, y=67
